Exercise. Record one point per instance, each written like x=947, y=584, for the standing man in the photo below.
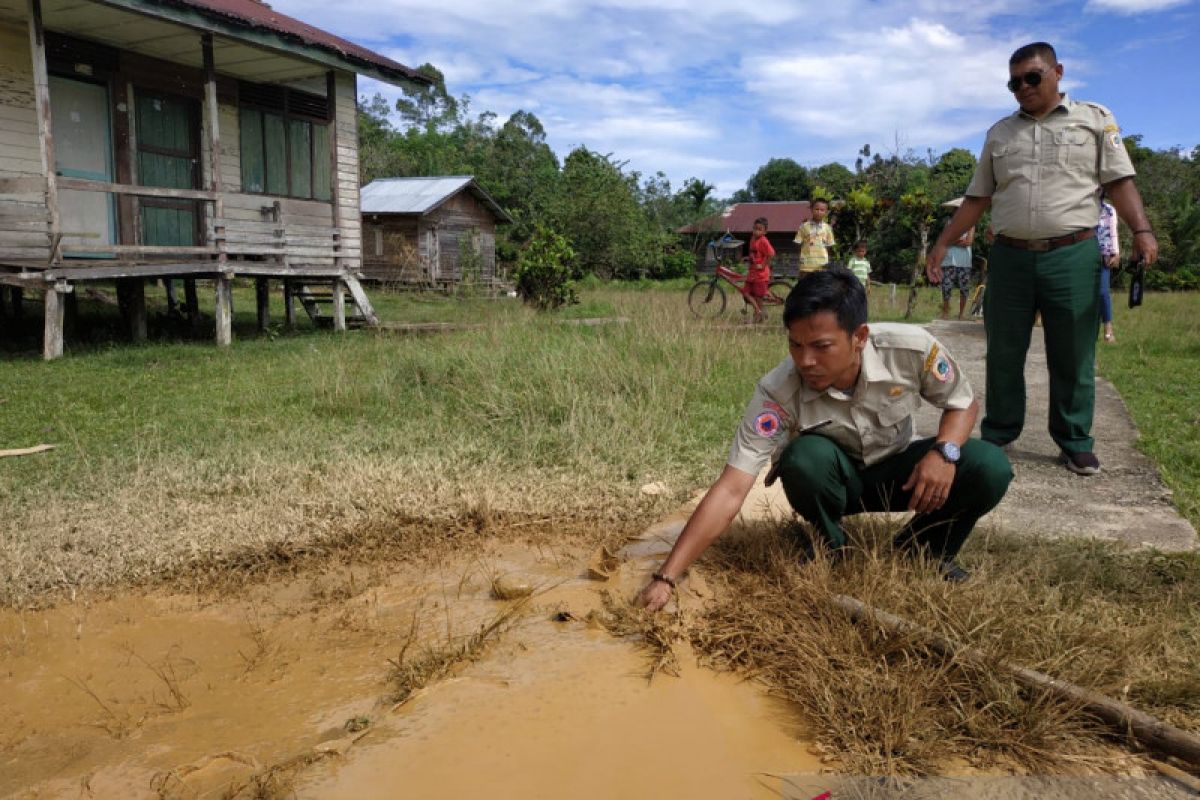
x=836, y=419
x=1039, y=172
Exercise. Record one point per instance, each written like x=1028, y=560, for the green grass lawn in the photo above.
x=292, y=434
x=1154, y=364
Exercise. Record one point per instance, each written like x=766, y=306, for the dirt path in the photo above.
x=1127, y=501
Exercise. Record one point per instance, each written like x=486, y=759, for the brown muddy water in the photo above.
x=161, y=695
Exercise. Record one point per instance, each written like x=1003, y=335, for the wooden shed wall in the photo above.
x=461, y=217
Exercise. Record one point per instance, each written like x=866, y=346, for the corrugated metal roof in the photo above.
x=256, y=14
x=739, y=217
x=421, y=195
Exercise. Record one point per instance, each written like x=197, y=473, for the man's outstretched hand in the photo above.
x=655, y=596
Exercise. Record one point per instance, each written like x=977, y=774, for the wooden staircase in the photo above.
x=321, y=302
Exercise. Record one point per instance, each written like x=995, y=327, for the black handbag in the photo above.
x=1137, y=280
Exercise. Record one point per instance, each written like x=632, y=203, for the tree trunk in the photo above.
x=917, y=270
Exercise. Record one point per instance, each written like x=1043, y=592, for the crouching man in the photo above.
x=864, y=383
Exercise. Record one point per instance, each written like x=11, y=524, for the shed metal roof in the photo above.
x=739, y=217
x=421, y=195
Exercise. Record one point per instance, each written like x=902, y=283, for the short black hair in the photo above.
x=834, y=289
x=860, y=243
x=816, y=200
x=762, y=221
x=1038, y=49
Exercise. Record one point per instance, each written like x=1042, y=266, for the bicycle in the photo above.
x=707, y=300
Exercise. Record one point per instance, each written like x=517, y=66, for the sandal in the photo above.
x=1108, y=337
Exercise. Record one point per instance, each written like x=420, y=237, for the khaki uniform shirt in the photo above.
x=813, y=238
x=901, y=365
x=1042, y=175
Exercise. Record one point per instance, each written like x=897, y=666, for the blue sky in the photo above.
x=716, y=88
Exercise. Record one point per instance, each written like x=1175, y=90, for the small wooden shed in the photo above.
x=431, y=231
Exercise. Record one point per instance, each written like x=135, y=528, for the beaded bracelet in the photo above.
x=658, y=576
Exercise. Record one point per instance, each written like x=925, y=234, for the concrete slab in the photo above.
x=1126, y=502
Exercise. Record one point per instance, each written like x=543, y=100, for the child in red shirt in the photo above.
x=761, y=253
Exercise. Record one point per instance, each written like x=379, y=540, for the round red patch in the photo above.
x=767, y=423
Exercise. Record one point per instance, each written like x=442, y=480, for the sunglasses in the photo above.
x=1031, y=78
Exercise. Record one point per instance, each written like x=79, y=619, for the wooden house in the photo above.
x=783, y=220
x=432, y=231
x=179, y=140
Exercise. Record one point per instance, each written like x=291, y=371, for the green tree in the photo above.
x=779, y=179
x=951, y=174
x=428, y=106
x=598, y=211
x=836, y=178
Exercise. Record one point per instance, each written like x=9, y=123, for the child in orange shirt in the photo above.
x=761, y=253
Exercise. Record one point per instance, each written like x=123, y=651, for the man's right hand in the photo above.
x=655, y=596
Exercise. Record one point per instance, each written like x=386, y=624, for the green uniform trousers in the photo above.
x=1064, y=285
x=823, y=484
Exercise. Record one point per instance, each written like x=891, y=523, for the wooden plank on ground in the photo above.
x=27, y=451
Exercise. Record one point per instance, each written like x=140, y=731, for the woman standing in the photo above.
x=1106, y=237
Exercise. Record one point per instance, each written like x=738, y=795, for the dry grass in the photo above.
x=1119, y=622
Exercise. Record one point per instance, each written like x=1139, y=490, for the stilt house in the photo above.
x=178, y=139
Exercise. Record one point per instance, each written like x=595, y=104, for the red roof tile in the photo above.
x=739, y=218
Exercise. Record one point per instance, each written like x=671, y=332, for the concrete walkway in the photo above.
x=1127, y=501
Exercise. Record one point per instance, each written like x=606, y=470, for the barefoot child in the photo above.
x=759, y=275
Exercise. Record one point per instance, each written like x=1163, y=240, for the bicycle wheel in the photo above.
x=707, y=299
x=777, y=291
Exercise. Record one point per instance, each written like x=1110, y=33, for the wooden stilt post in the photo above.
x=289, y=304
x=224, y=310
x=224, y=289
x=71, y=317
x=41, y=95
x=339, y=305
x=191, y=302
x=52, y=337
x=263, y=297
x=131, y=297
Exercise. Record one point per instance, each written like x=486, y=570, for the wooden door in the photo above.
x=83, y=149
x=168, y=156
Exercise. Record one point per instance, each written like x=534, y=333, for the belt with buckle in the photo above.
x=1046, y=245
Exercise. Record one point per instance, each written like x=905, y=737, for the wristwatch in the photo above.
x=950, y=451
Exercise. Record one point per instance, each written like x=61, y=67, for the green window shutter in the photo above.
x=300, y=149
x=322, y=163
x=254, y=175
x=275, y=142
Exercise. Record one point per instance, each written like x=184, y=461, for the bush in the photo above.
x=676, y=263
x=543, y=272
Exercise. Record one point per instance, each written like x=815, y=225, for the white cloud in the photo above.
x=1134, y=6
x=714, y=88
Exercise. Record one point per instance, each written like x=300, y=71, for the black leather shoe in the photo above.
x=951, y=572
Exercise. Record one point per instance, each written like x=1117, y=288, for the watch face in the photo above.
x=950, y=451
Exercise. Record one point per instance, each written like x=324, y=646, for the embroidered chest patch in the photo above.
x=767, y=424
